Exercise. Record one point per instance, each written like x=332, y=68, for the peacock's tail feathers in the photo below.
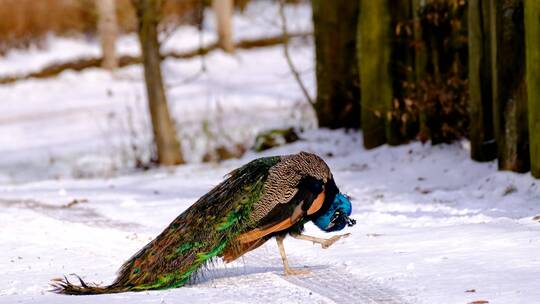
x=64, y=286
x=206, y=230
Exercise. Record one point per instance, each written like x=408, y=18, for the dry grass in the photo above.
x=26, y=22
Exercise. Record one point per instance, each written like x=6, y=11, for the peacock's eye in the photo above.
x=335, y=218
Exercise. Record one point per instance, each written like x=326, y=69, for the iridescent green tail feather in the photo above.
x=195, y=237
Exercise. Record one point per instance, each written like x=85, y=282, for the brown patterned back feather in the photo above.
x=283, y=179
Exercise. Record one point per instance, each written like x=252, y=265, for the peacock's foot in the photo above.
x=329, y=242
x=292, y=272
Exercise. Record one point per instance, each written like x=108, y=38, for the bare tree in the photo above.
x=223, y=9
x=108, y=29
x=167, y=145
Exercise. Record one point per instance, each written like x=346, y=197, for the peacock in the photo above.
x=266, y=198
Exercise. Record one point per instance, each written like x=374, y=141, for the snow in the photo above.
x=259, y=19
x=431, y=246
x=431, y=223
x=236, y=98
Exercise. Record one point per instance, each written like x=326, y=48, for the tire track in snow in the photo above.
x=82, y=215
x=331, y=282
x=339, y=286
x=334, y=283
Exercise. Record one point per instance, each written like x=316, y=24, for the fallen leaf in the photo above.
x=423, y=191
x=75, y=202
x=509, y=190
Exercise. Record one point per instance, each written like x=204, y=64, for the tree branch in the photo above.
x=287, y=55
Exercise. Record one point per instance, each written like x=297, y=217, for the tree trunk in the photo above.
x=532, y=31
x=108, y=29
x=399, y=126
x=509, y=86
x=483, y=145
x=338, y=88
x=420, y=68
x=374, y=53
x=223, y=9
x=167, y=146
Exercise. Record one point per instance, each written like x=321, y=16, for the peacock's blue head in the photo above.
x=337, y=216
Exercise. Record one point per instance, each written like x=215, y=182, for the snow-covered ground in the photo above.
x=85, y=124
x=433, y=226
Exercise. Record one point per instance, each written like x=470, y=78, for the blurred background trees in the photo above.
x=399, y=70
x=509, y=87
x=438, y=70
x=374, y=48
x=532, y=43
x=338, y=88
x=482, y=134
x=108, y=30
x=166, y=143
x=28, y=22
x=223, y=10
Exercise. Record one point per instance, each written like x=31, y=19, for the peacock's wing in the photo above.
x=285, y=179
x=294, y=188
x=200, y=233
x=308, y=199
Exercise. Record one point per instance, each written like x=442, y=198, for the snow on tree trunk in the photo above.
x=532, y=32
x=108, y=29
x=223, y=10
x=167, y=145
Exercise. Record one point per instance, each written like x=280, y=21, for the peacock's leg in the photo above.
x=288, y=270
x=325, y=243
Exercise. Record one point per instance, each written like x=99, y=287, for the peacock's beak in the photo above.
x=341, y=216
x=350, y=222
x=340, y=219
